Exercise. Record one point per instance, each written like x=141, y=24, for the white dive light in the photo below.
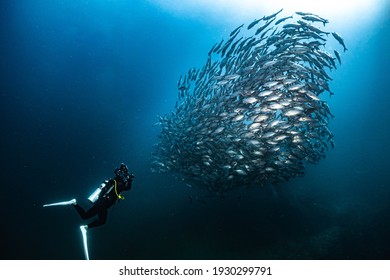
x=70, y=202
x=95, y=195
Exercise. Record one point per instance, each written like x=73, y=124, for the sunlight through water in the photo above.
x=342, y=12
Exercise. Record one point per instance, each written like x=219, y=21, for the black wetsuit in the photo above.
x=106, y=199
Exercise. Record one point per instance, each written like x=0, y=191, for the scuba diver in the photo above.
x=104, y=197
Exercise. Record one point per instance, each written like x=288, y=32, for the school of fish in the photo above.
x=254, y=114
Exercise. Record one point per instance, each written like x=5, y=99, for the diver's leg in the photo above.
x=102, y=214
x=86, y=214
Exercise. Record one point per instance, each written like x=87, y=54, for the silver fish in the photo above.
x=337, y=55
x=292, y=112
x=249, y=100
x=340, y=40
x=252, y=114
x=253, y=23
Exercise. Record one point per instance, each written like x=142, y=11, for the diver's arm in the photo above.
x=128, y=186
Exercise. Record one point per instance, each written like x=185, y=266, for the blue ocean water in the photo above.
x=81, y=86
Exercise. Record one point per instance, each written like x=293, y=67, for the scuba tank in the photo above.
x=95, y=195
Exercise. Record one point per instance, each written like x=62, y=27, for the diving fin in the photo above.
x=85, y=243
x=70, y=202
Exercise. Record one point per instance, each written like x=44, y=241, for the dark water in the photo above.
x=82, y=83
